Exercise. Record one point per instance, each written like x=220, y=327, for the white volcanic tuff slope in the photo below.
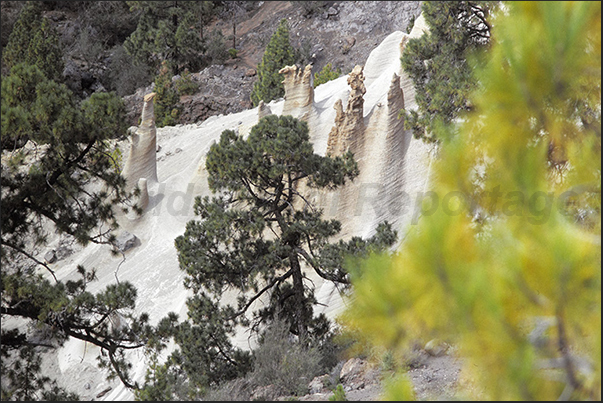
x=376, y=195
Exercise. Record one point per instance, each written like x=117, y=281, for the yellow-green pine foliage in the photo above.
x=326, y=74
x=514, y=245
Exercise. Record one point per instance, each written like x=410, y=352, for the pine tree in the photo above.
x=253, y=240
x=65, y=182
x=326, y=74
x=278, y=54
x=437, y=62
x=509, y=269
x=166, y=110
x=168, y=30
x=34, y=41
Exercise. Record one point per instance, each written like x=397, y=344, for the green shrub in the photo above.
x=116, y=158
x=239, y=389
x=338, y=395
x=410, y=25
x=303, y=54
x=326, y=74
x=233, y=53
x=288, y=365
x=185, y=84
x=215, y=52
x=124, y=76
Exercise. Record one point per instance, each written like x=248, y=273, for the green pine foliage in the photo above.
x=509, y=271
x=167, y=98
x=34, y=41
x=254, y=237
x=278, y=54
x=215, y=48
x=26, y=381
x=338, y=394
x=185, y=85
x=63, y=181
x=437, y=62
x=326, y=74
x=167, y=30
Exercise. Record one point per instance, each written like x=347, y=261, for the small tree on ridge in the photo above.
x=279, y=53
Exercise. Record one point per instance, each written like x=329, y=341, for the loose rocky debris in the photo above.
x=434, y=378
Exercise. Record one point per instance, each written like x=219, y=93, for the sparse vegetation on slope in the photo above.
x=34, y=41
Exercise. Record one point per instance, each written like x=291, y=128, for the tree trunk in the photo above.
x=298, y=289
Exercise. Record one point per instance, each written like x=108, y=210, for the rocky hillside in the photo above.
x=338, y=32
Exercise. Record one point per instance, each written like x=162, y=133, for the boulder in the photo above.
x=318, y=384
x=351, y=369
x=350, y=41
x=265, y=393
x=62, y=252
x=126, y=241
x=263, y=110
x=50, y=256
x=59, y=253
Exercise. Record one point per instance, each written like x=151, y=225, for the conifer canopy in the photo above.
x=279, y=53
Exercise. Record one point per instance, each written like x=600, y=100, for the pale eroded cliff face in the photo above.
x=299, y=92
x=263, y=110
x=394, y=170
x=349, y=124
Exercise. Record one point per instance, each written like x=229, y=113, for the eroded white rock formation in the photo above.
x=142, y=159
x=349, y=125
x=394, y=169
x=263, y=110
x=299, y=92
x=143, y=197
